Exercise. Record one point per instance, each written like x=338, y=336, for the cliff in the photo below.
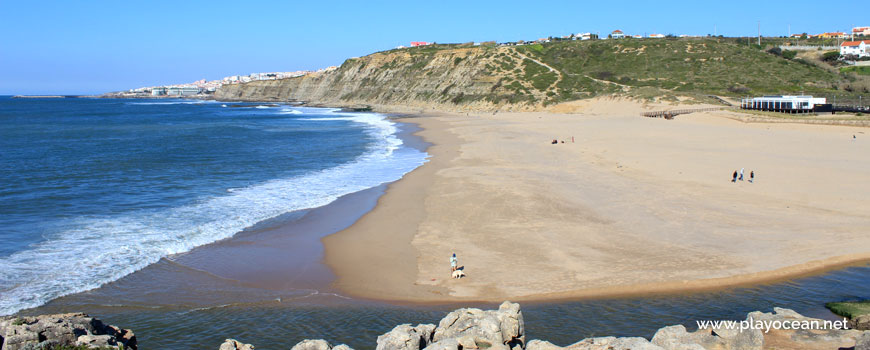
x=450, y=79
x=530, y=77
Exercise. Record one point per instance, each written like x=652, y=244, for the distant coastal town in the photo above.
x=204, y=87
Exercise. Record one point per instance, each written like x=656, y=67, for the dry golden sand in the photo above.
x=633, y=205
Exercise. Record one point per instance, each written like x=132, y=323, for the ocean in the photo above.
x=92, y=190
x=190, y=222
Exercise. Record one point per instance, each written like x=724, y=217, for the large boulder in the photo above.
x=861, y=322
x=863, y=341
x=405, y=337
x=318, y=344
x=474, y=328
x=600, y=343
x=232, y=344
x=801, y=338
x=312, y=344
x=677, y=338
x=60, y=330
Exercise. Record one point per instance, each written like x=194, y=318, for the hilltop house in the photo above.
x=586, y=36
x=658, y=36
x=861, y=31
x=859, y=48
x=832, y=35
x=419, y=43
x=617, y=34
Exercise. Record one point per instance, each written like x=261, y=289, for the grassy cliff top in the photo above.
x=569, y=70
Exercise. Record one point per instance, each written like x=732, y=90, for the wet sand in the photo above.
x=634, y=205
x=275, y=262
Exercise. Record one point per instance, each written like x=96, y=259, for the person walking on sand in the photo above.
x=741, y=174
x=734, y=177
x=453, y=262
x=752, y=176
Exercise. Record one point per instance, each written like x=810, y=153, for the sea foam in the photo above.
x=98, y=250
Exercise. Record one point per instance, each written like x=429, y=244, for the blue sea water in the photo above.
x=94, y=189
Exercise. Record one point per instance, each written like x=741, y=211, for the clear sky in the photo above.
x=81, y=47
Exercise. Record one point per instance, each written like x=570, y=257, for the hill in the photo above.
x=457, y=77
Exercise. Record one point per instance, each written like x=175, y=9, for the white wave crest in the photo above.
x=103, y=249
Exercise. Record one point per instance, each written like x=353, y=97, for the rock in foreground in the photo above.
x=74, y=329
x=504, y=329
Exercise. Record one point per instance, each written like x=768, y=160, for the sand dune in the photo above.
x=633, y=205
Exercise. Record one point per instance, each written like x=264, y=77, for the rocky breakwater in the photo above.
x=504, y=329
x=62, y=331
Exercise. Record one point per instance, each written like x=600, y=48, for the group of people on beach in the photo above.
x=555, y=141
x=739, y=176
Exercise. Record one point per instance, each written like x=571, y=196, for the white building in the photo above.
x=857, y=48
x=799, y=104
x=585, y=36
x=657, y=36
x=617, y=34
x=861, y=31
x=183, y=90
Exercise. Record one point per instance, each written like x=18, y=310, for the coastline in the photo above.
x=275, y=259
x=379, y=257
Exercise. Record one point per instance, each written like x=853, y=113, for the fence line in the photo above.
x=807, y=47
x=673, y=113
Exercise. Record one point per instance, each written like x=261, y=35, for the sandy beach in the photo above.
x=626, y=205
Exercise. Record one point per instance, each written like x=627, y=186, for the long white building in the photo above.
x=788, y=104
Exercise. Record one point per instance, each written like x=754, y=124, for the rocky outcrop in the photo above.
x=74, y=329
x=860, y=322
x=405, y=337
x=473, y=328
x=232, y=344
x=318, y=344
x=600, y=343
x=863, y=342
x=505, y=329
x=464, y=329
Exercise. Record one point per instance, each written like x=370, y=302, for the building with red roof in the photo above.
x=617, y=34
x=856, y=48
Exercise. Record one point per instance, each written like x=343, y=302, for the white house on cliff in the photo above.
x=856, y=48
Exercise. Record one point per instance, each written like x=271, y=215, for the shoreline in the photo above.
x=275, y=259
x=398, y=282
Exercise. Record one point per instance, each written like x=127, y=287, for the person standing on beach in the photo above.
x=741, y=174
x=734, y=177
x=453, y=262
x=752, y=176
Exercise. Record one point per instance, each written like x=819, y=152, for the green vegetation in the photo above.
x=861, y=70
x=540, y=77
x=569, y=70
x=18, y=321
x=831, y=56
x=702, y=66
x=850, y=309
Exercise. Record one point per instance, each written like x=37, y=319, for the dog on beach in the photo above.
x=458, y=274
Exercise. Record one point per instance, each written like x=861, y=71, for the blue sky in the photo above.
x=80, y=47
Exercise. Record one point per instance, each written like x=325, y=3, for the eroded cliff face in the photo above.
x=475, y=78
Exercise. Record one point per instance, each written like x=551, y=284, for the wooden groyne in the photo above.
x=673, y=113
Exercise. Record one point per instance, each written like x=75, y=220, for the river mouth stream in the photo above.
x=281, y=323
